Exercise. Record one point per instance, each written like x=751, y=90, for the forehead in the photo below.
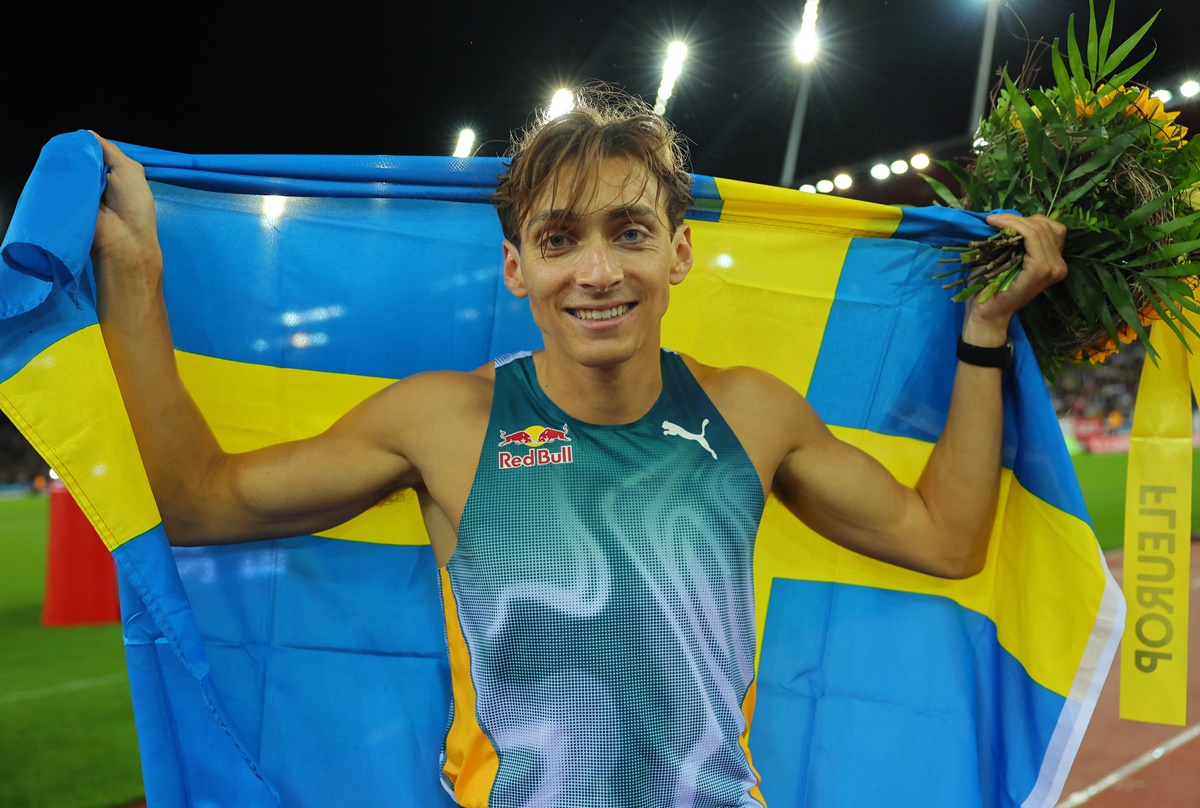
x=613, y=183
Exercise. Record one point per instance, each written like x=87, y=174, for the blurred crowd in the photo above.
x=19, y=463
x=1106, y=391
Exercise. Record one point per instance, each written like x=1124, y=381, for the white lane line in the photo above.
x=65, y=687
x=1085, y=794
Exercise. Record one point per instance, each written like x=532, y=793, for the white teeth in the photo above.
x=601, y=314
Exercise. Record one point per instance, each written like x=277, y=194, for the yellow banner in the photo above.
x=1158, y=517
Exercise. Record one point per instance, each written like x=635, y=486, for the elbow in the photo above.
x=962, y=559
x=182, y=532
x=960, y=570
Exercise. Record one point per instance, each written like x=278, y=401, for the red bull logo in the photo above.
x=535, y=438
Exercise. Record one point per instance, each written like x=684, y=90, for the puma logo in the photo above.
x=675, y=429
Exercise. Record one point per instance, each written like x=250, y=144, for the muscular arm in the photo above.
x=206, y=495
x=942, y=525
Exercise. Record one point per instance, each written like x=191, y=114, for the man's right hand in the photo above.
x=126, y=229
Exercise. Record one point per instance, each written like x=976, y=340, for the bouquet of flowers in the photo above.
x=1103, y=157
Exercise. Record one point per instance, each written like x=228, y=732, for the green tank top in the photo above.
x=600, y=602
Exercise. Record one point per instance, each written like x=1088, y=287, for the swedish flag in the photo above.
x=312, y=670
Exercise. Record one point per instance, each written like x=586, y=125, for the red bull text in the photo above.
x=534, y=438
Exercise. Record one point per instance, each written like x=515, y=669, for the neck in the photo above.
x=619, y=394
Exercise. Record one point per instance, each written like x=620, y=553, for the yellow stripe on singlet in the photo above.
x=744, y=740
x=471, y=760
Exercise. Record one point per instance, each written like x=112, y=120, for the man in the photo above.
x=596, y=552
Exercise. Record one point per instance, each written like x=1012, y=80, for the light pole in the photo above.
x=806, y=52
x=985, y=66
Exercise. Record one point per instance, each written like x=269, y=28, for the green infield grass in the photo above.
x=1102, y=480
x=66, y=724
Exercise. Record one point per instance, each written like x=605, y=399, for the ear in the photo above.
x=513, y=278
x=681, y=245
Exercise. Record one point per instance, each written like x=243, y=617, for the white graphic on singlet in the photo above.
x=675, y=429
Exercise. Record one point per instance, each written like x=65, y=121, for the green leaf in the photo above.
x=1093, y=55
x=1118, y=56
x=1167, y=253
x=1106, y=154
x=1062, y=78
x=1050, y=157
x=942, y=191
x=1046, y=106
x=1106, y=34
x=1078, y=76
x=960, y=174
x=1161, y=302
x=1176, y=291
x=1167, y=228
x=1077, y=193
x=1173, y=272
x=1126, y=75
x=1139, y=216
x=1121, y=296
x=1032, y=127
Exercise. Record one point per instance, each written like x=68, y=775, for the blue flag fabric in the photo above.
x=313, y=670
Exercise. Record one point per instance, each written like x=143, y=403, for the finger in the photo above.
x=1044, y=237
x=113, y=156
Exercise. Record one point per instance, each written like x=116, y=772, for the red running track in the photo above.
x=1128, y=764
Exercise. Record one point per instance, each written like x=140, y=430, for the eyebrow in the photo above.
x=625, y=212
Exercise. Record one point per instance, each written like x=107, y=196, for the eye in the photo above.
x=555, y=241
x=632, y=235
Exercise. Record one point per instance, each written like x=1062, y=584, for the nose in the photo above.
x=597, y=267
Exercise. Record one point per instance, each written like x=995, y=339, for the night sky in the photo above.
x=894, y=76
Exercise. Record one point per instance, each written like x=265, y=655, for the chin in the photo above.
x=599, y=357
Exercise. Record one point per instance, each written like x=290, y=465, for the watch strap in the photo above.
x=1000, y=357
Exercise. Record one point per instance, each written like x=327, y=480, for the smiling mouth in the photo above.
x=601, y=314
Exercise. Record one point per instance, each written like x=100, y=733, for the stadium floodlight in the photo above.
x=880, y=171
x=676, y=53
x=842, y=181
x=806, y=41
x=1189, y=89
x=808, y=189
x=919, y=161
x=1163, y=95
x=899, y=167
x=466, y=139
x=562, y=103
x=824, y=186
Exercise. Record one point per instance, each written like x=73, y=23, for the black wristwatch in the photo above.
x=1000, y=357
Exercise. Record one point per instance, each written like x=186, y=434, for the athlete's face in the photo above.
x=598, y=281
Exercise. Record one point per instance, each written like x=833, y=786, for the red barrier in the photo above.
x=81, y=577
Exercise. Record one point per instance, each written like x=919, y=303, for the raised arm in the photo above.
x=942, y=526
x=206, y=495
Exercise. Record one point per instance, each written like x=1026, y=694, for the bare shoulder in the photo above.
x=770, y=418
x=427, y=407
x=740, y=389
x=463, y=390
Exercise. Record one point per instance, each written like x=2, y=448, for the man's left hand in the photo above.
x=1043, y=267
